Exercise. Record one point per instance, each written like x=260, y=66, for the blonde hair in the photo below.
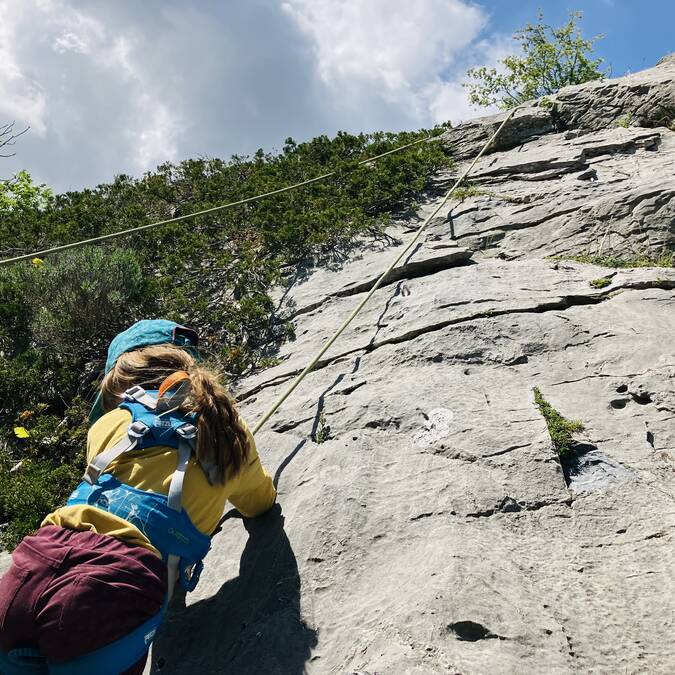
x=222, y=441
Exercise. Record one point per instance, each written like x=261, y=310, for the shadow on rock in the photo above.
x=586, y=469
x=252, y=625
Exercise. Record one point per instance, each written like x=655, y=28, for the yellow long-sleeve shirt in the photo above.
x=251, y=491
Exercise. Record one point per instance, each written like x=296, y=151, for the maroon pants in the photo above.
x=68, y=593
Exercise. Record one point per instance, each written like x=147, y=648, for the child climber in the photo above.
x=166, y=451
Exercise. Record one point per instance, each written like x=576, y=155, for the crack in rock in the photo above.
x=411, y=270
x=563, y=303
x=510, y=505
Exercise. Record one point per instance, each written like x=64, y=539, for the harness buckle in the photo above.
x=133, y=392
x=139, y=395
x=189, y=575
x=187, y=431
x=138, y=429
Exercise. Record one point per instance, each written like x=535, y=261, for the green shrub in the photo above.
x=71, y=304
x=31, y=492
x=624, y=121
x=47, y=466
x=34, y=377
x=81, y=299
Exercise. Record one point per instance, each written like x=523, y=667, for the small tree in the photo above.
x=21, y=193
x=550, y=58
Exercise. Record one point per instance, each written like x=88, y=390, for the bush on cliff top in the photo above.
x=549, y=59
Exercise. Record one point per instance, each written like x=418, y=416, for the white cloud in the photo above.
x=119, y=87
x=77, y=32
x=89, y=66
x=405, y=53
x=21, y=96
x=447, y=101
x=155, y=141
x=70, y=42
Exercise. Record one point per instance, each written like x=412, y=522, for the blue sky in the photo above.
x=120, y=87
x=637, y=32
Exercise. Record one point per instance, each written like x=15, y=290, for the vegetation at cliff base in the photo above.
x=214, y=272
x=548, y=58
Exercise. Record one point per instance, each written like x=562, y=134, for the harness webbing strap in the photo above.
x=186, y=433
x=101, y=462
x=176, y=487
x=139, y=395
x=135, y=432
x=173, y=569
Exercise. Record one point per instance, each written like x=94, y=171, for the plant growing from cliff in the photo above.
x=602, y=282
x=466, y=191
x=323, y=432
x=549, y=58
x=664, y=259
x=560, y=428
x=624, y=121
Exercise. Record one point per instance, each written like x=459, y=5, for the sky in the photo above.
x=120, y=86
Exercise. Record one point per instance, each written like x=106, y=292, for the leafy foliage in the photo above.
x=213, y=272
x=51, y=465
x=21, y=194
x=559, y=428
x=36, y=489
x=602, y=282
x=74, y=307
x=550, y=58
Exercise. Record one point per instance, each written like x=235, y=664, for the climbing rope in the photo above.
x=213, y=209
x=379, y=282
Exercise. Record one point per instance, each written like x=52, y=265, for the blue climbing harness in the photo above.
x=160, y=518
x=109, y=660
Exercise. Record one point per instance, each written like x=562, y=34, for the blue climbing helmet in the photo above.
x=143, y=334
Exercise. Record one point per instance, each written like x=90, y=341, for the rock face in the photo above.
x=428, y=525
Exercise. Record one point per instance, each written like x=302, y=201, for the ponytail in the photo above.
x=218, y=427
x=222, y=447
